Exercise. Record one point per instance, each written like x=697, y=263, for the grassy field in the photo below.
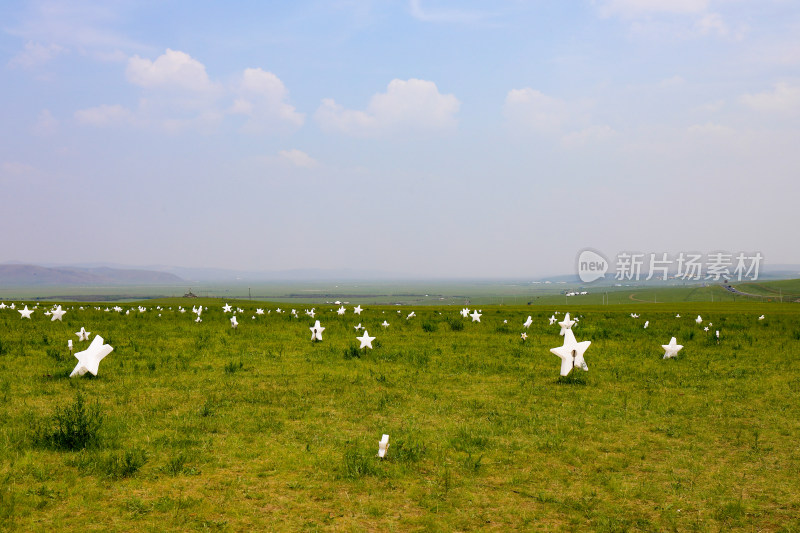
x=199, y=426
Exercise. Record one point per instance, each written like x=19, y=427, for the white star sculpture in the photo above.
x=385, y=324
x=524, y=335
x=3, y=305
x=341, y=311
x=528, y=322
x=699, y=319
x=58, y=314
x=89, y=359
x=571, y=353
x=316, y=331
x=83, y=335
x=358, y=327
x=383, y=446
x=761, y=317
x=25, y=313
x=410, y=315
x=259, y=311
x=476, y=316
x=234, y=322
x=566, y=325
x=357, y=309
x=672, y=348
x=226, y=308
x=552, y=319
x=465, y=312
x=646, y=323
x=366, y=340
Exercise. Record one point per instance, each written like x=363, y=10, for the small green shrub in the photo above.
x=74, y=427
x=125, y=464
x=429, y=326
x=455, y=324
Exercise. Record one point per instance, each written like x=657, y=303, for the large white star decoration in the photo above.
x=383, y=446
x=646, y=323
x=3, y=305
x=117, y=308
x=234, y=322
x=89, y=359
x=358, y=327
x=528, y=322
x=25, y=313
x=761, y=317
x=566, y=325
x=198, y=319
x=357, y=309
x=259, y=311
x=552, y=319
x=385, y=324
x=465, y=312
x=699, y=319
x=524, y=335
x=672, y=348
x=340, y=311
x=411, y=314
x=316, y=331
x=83, y=335
x=58, y=314
x=705, y=328
x=476, y=316
x=678, y=315
x=366, y=340
x=226, y=308
x=310, y=313
x=571, y=353
x=13, y=306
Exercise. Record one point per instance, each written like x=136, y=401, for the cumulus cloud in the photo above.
x=35, y=54
x=298, y=158
x=172, y=70
x=105, y=115
x=262, y=97
x=406, y=105
x=177, y=94
x=785, y=98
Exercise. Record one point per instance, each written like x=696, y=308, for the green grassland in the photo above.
x=197, y=426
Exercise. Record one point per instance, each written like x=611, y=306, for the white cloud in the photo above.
x=46, y=123
x=298, y=158
x=263, y=98
x=536, y=110
x=636, y=8
x=105, y=115
x=172, y=70
x=406, y=105
x=35, y=54
x=712, y=23
x=784, y=98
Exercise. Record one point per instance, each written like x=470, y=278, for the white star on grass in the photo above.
x=571, y=353
x=366, y=340
x=89, y=359
x=672, y=348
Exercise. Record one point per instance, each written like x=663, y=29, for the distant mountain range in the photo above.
x=35, y=276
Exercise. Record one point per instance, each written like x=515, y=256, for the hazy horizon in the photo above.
x=426, y=138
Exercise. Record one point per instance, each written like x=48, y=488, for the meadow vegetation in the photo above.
x=200, y=426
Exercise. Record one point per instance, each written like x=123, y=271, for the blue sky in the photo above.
x=425, y=138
